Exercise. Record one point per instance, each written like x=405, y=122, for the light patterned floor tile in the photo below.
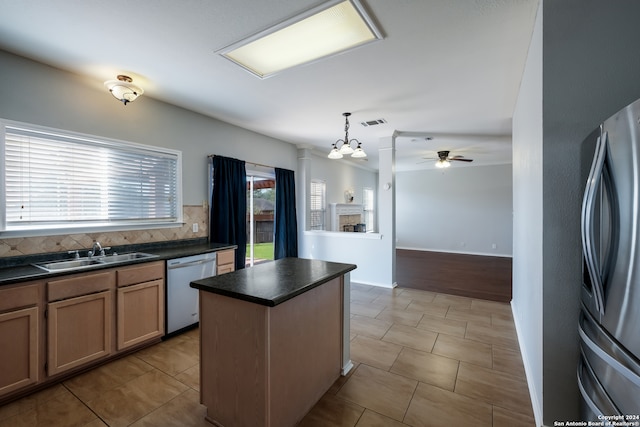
x=428, y=308
x=492, y=334
x=402, y=317
x=383, y=392
x=373, y=419
x=374, y=328
x=393, y=302
x=92, y=384
x=173, y=356
x=505, y=418
x=408, y=336
x=434, y=407
x=468, y=315
x=453, y=300
x=129, y=402
x=364, y=309
x=426, y=367
x=441, y=325
x=374, y=352
x=183, y=410
x=464, y=350
x=332, y=412
x=62, y=410
x=418, y=295
x=494, y=387
x=503, y=308
x=508, y=361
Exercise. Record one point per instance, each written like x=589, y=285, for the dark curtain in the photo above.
x=286, y=227
x=229, y=205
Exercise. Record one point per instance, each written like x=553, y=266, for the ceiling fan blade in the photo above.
x=462, y=160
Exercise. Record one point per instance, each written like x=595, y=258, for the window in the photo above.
x=369, y=210
x=59, y=180
x=318, y=189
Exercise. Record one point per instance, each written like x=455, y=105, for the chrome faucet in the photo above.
x=96, y=249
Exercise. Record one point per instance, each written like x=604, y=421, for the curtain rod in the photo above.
x=251, y=163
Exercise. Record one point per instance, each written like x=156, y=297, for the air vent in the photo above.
x=373, y=122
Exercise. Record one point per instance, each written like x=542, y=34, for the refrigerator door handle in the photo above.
x=608, y=359
x=587, y=222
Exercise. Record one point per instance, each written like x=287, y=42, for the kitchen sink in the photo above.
x=125, y=257
x=81, y=263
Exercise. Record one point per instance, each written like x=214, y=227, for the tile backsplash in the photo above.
x=70, y=242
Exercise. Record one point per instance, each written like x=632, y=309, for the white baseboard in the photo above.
x=378, y=284
x=535, y=403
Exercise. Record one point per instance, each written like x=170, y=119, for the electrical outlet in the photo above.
x=493, y=246
x=194, y=227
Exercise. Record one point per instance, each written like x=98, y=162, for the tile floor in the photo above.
x=421, y=359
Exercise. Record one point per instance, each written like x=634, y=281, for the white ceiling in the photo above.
x=449, y=69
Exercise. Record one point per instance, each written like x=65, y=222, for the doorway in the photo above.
x=261, y=198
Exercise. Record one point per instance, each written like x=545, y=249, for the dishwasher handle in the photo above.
x=190, y=264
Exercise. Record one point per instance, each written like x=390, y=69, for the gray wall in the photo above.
x=463, y=209
x=590, y=70
x=38, y=94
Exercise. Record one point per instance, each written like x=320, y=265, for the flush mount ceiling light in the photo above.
x=345, y=147
x=326, y=30
x=123, y=89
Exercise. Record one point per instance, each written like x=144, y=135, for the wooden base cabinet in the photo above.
x=49, y=330
x=79, y=331
x=19, y=341
x=140, y=313
x=21, y=344
x=140, y=305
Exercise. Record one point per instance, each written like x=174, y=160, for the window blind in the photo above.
x=56, y=180
x=367, y=201
x=317, y=205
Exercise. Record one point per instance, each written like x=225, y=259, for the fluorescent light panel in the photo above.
x=323, y=31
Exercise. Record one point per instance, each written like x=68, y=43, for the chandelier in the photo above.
x=345, y=148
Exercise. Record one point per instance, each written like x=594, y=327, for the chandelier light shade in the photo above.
x=123, y=89
x=342, y=147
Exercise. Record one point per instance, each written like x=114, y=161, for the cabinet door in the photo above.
x=226, y=261
x=140, y=313
x=79, y=331
x=19, y=341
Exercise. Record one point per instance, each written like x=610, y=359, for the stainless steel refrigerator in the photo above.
x=609, y=328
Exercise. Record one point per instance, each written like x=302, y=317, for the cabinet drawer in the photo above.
x=226, y=257
x=80, y=285
x=222, y=269
x=19, y=296
x=140, y=273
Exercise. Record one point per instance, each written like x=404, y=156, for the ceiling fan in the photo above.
x=444, y=160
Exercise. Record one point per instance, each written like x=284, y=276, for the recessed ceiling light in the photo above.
x=326, y=30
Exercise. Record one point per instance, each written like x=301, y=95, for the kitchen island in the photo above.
x=273, y=339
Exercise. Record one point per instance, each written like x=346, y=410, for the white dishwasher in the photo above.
x=182, y=300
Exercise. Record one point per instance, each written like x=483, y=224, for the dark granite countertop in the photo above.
x=20, y=269
x=275, y=282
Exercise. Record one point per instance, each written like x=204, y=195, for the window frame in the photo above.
x=369, y=213
x=323, y=204
x=69, y=227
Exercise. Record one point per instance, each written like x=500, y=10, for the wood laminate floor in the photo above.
x=421, y=359
x=475, y=276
